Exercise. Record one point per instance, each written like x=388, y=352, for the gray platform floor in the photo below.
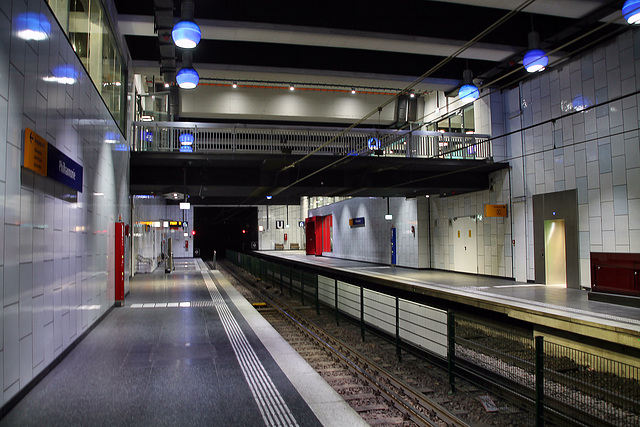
x=551, y=300
x=187, y=349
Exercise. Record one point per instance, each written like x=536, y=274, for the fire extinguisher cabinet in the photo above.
x=119, y=264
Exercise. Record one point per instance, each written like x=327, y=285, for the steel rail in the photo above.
x=353, y=359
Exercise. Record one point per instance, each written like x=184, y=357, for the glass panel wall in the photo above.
x=93, y=39
x=462, y=121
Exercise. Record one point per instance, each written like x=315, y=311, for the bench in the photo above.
x=294, y=246
x=279, y=247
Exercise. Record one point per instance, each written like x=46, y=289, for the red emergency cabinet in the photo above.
x=119, y=263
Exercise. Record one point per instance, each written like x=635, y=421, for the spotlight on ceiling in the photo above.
x=468, y=92
x=631, y=11
x=186, y=33
x=535, y=59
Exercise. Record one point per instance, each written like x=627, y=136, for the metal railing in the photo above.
x=562, y=382
x=224, y=138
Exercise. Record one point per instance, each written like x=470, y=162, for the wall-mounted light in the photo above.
x=468, y=92
x=631, y=11
x=535, y=59
x=63, y=74
x=110, y=137
x=186, y=33
x=32, y=26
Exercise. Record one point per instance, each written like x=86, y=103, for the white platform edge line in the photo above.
x=309, y=384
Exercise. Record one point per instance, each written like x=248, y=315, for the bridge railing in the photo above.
x=225, y=138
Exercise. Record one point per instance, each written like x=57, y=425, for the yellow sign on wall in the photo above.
x=35, y=152
x=495, y=210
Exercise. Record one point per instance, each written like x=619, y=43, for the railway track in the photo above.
x=485, y=364
x=376, y=394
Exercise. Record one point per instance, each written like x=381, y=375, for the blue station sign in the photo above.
x=356, y=222
x=46, y=160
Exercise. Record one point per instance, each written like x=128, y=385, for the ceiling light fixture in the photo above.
x=535, y=59
x=353, y=91
x=631, y=11
x=234, y=85
x=186, y=33
x=187, y=77
x=291, y=87
x=186, y=139
x=468, y=92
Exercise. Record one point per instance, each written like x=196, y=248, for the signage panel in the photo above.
x=356, y=222
x=35, y=152
x=46, y=160
x=495, y=210
x=61, y=168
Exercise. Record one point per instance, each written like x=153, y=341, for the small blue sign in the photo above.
x=61, y=168
x=356, y=222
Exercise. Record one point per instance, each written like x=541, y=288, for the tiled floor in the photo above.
x=186, y=349
x=556, y=301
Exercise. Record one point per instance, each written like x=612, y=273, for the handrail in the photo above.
x=240, y=138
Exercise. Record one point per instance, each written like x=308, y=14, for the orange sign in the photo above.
x=35, y=152
x=495, y=210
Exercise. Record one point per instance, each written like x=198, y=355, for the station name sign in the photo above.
x=356, y=222
x=46, y=160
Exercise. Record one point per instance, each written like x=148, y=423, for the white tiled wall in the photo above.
x=595, y=151
x=372, y=242
x=53, y=241
x=493, y=242
x=291, y=215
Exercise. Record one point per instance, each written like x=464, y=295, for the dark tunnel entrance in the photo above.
x=221, y=228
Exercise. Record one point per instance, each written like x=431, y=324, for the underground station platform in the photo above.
x=563, y=315
x=186, y=349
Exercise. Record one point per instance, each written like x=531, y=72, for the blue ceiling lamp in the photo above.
x=468, y=92
x=186, y=139
x=187, y=77
x=186, y=33
x=186, y=142
x=631, y=11
x=535, y=59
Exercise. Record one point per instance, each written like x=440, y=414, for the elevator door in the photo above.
x=555, y=254
x=464, y=245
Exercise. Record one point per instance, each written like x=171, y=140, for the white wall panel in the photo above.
x=51, y=237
